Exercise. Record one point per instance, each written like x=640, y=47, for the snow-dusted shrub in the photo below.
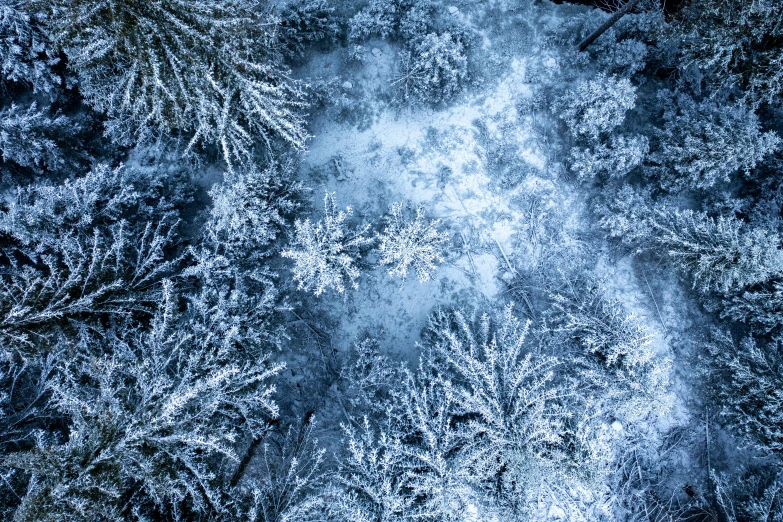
x=28, y=137
x=152, y=415
x=25, y=52
x=434, y=70
x=325, y=253
x=596, y=106
x=753, y=496
x=73, y=261
x=720, y=254
x=305, y=22
x=411, y=243
x=706, y=143
x=747, y=380
x=620, y=157
x=205, y=68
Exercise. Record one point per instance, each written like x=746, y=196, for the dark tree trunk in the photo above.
x=609, y=23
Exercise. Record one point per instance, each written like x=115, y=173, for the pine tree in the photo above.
x=596, y=106
x=506, y=391
x=325, y=253
x=372, y=476
x=305, y=22
x=205, y=68
x=737, y=44
x=229, y=262
x=73, y=260
x=28, y=138
x=405, y=469
x=616, y=348
x=747, y=381
x=408, y=20
x=26, y=54
x=720, y=254
x=283, y=488
x=761, y=307
x=152, y=416
x=755, y=497
x=620, y=157
x=25, y=415
x=707, y=143
x=406, y=244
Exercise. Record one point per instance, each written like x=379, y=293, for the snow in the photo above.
x=483, y=166
x=442, y=158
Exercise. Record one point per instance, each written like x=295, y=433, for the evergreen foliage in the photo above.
x=204, y=68
x=406, y=244
x=325, y=253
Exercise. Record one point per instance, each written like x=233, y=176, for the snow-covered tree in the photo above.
x=601, y=325
x=626, y=56
x=505, y=390
x=206, y=68
x=434, y=70
x=596, y=106
x=404, y=244
x=737, y=44
x=747, y=381
x=325, y=253
x=721, y=254
x=73, y=260
x=25, y=52
x=624, y=213
x=153, y=415
x=306, y=22
x=754, y=496
x=406, y=469
x=284, y=486
x=618, y=158
x=25, y=414
x=28, y=137
x=372, y=479
x=405, y=19
x=632, y=374
x=761, y=307
x=250, y=208
x=706, y=143
x=367, y=378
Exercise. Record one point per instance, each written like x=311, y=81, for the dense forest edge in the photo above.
x=391, y=260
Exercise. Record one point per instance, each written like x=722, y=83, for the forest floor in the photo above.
x=486, y=165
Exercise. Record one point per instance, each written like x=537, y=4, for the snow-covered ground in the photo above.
x=481, y=165
x=445, y=160
x=486, y=166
